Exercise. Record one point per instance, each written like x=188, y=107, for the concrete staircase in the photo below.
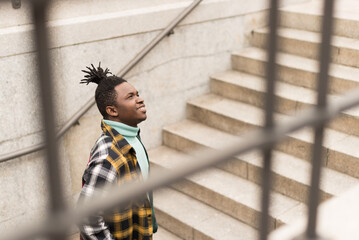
x=224, y=202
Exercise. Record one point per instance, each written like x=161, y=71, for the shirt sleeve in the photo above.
x=99, y=174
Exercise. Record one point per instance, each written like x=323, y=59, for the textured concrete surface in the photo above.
x=219, y=115
x=290, y=99
x=308, y=14
x=213, y=105
x=24, y=189
x=337, y=220
x=296, y=70
x=292, y=174
x=306, y=44
x=183, y=213
x=232, y=195
x=163, y=234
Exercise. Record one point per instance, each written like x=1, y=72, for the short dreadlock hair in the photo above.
x=105, y=94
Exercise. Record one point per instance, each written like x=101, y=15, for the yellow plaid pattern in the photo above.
x=134, y=220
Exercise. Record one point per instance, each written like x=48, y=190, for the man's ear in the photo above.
x=111, y=111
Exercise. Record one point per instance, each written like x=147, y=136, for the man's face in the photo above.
x=130, y=107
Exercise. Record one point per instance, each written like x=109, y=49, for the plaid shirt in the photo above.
x=113, y=161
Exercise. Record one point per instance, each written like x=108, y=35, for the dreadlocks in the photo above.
x=105, y=94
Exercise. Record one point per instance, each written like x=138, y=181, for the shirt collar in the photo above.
x=123, y=146
x=122, y=128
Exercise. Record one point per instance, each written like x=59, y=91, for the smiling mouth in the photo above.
x=142, y=109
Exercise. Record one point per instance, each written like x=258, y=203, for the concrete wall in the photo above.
x=84, y=32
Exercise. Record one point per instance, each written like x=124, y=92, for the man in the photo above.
x=117, y=157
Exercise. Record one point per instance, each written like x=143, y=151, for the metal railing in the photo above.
x=16, y=4
x=74, y=119
x=269, y=122
x=322, y=89
x=263, y=139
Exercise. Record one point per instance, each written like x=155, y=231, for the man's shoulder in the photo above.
x=101, y=148
x=103, y=138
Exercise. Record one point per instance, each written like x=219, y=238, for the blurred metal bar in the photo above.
x=322, y=88
x=74, y=119
x=269, y=109
x=39, y=8
x=16, y=4
x=253, y=141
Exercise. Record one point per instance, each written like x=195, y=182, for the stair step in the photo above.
x=163, y=234
x=307, y=44
x=293, y=214
x=191, y=219
x=250, y=89
x=308, y=16
x=224, y=191
x=341, y=149
x=295, y=70
x=290, y=173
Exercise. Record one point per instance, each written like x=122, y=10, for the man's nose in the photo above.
x=139, y=100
